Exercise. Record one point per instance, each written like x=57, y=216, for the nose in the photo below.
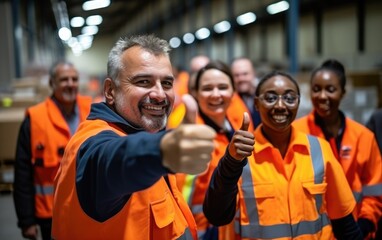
x=322, y=94
x=215, y=92
x=279, y=103
x=157, y=92
x=71, y=81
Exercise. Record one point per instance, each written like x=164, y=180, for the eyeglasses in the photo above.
x=270, y=99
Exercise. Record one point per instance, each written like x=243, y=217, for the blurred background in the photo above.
x=295, y=36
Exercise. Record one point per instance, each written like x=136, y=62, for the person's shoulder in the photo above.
x=377, y=114
x=357, y=130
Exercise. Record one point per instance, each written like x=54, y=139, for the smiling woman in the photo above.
x=290, y=186
x=354, y=146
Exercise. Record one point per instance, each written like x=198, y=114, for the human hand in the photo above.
x=241, y=145
x=191, y=109
x=30, y=232
x=188, y=148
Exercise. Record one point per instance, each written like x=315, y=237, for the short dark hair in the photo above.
x=334, y=66
x=272, y=74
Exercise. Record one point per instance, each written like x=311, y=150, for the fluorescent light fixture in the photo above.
x=77, y=49
x=77, y=22
x=72, y=41
x=278, y=7
x=246, y=18
x=202, y=33
x=188, y=38
x=64, y=33
x=222, y=26
x=95, y=4
x=94, y=20
x=89, y=30
x=86, y=41
x=175, y=42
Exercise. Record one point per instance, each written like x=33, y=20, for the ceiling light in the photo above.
x=89, y=30
x=188, y=38
x=95, y=4
x=64, y=33
x=175, y=42
x=202, y=33
x=94, y=20
x=246, y=18
x=222, y=26
x=77, y=22
x=278, y=7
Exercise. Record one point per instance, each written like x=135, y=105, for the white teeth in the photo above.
x=279, y=118
x=156, y=108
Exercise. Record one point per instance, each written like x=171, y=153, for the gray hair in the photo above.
x=150, y=43
x=53, y=68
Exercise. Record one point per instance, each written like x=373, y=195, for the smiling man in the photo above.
x=116, y=181
x=43, y=136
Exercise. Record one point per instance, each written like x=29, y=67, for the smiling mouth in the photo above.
x=155, y=109
x=279, y=118
x=323, y=106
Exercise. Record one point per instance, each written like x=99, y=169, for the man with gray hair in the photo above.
x=116, y=181
x=42, y=138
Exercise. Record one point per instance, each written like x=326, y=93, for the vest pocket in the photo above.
x=313, y=188
x=314, y=193
x=163, y=211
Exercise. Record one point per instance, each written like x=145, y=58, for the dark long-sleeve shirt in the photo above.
x=111, y=167
x=23, y=194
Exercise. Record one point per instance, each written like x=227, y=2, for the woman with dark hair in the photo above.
x=213, y=91
x=284, y=185
x=354, y=145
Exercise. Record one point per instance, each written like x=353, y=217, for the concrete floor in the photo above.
x=8, y=220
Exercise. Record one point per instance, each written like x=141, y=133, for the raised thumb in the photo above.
x=245, y=123
x=191, y=109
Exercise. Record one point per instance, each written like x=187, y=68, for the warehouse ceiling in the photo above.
x=120, y=12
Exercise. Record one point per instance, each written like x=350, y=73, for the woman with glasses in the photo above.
x=354, y=146
x=285, y=184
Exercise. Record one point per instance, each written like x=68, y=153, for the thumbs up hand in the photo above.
x=241, y=145
x=188, y=148
x=191, y=109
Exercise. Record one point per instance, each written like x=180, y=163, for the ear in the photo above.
x=109, y=91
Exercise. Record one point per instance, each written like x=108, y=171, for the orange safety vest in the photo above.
x=49, y=135
x=158, y=212
x=294, y=197
x=361, y=161
x=194, y=187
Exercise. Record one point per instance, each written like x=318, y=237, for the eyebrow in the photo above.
x=168, y=77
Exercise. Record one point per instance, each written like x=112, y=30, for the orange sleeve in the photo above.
x=339, y=197
x=371, y=178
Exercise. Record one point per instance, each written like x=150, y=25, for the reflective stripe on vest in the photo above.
x=186, y=235
x=368, y=191
x=372, y=190
x=188, y=188
x=255, y=230
x=44, y=190
x=197, y=208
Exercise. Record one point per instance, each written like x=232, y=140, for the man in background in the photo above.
x=245, y=82
x=42, y=138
